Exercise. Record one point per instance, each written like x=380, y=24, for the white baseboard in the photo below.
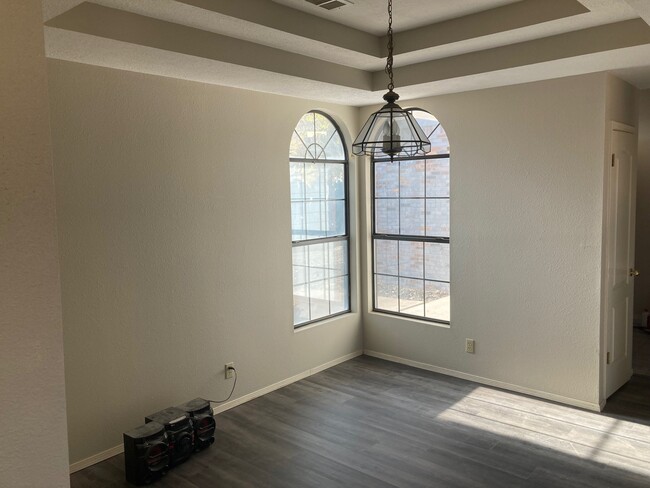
x=487, y=381
x=317, y=369
x=113, y=451
x=96, y=458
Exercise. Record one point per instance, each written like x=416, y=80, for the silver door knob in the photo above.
x=634, y=272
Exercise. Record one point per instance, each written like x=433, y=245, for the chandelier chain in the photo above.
x=389, y=59
x=391, y=131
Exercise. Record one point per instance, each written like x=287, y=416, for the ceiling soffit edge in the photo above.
x=501, y=19
x=584, y=42
x=137, y=29
x=292, y=21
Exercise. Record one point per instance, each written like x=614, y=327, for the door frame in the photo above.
x=612, y=127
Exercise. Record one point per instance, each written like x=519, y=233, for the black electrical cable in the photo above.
x=231, y=391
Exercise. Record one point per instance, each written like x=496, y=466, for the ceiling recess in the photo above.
x=330, y=4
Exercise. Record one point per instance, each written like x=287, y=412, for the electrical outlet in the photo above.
x=229, y=371
x=469, y=346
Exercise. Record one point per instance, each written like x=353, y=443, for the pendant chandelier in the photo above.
x=392, y=131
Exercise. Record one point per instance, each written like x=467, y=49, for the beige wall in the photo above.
x=621, y=106
x=174, y=223
x=174, y=233
x=33, y=445
x=621, y=102
x=526, y=223
x=642, y=283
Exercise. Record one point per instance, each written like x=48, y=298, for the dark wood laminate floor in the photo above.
x=372, y=423
x=641, y=351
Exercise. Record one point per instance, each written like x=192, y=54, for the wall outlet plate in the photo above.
x=229, y=372
x=469, y=346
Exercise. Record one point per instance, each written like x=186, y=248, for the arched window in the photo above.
x=319, y=220
x=411, y=230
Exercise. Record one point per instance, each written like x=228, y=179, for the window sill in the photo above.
x=413, y=320
x=322, y=322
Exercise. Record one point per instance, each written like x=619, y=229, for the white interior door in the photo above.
x=620, y=271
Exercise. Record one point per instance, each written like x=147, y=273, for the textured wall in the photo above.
x=33, y=449
x=621, y=105
x=526, y=220
x=175, y=236
x=642, y=283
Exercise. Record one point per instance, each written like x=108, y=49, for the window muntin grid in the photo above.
x=411, y=230
x=319, y=220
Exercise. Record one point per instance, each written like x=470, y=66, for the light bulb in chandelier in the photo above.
x=392, y=142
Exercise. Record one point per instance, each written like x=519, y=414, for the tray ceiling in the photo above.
x=292, y=47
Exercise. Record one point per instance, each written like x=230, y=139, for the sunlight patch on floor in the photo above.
x=585, y=435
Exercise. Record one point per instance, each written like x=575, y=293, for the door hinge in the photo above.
x=608, y=358
x=613, y=159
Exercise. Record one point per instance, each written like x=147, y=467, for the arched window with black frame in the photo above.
x=319, y=220
x=410, y=233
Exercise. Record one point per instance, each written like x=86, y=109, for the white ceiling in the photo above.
x=294, y=48
x=372, y=15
